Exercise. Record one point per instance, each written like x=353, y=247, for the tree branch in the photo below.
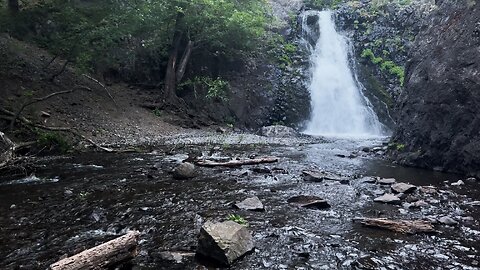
x=36, y=100
x=102, y=85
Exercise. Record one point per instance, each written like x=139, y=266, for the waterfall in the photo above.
x=339, y=107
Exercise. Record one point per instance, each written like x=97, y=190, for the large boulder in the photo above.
x=224, y=242
x=439, y=111
x=185, y=170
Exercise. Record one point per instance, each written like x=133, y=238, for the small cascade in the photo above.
x=339, y=107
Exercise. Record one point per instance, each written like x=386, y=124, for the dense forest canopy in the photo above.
x=155, y=38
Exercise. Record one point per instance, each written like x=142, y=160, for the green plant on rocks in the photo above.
x=385, y=65
x=238, y=219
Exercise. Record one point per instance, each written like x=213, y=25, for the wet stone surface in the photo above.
x=73, y=203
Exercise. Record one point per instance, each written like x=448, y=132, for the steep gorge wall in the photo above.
x=439, y=112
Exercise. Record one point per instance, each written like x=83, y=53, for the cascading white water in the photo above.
x=338, y=106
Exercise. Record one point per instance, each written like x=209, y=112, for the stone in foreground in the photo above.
x=403, y=188
x=224, y=242
x=251, y=204
x=184, y=171
x=388, y=198
x=309, y=202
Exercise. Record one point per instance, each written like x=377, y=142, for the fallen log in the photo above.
x=236, y=163
x=7, y=149
x=400, y=226
x=108, y=254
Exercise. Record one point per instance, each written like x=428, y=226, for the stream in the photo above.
x=76, y=202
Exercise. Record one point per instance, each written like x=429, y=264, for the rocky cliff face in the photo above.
x=382, y=34
x=439, y=112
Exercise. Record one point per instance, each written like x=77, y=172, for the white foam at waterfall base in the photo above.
x=339, y=108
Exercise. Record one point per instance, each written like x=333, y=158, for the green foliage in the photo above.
x=114, y=33
x=215, y=88
x=321, y=4
x=53, y=141
x=238, y=219
x=388, y=65
x=157, y=112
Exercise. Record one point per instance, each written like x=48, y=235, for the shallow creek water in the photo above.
x=73, y=203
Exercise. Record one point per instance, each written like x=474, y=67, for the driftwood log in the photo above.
x=236, y=163
x=400, y=226
x=7, y=149
x=108, y=254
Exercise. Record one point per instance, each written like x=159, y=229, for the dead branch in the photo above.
x=36, y=100
x=102, y=85
x=106, y=255
x=236, y=163
x=62, y=129
x=400, y=226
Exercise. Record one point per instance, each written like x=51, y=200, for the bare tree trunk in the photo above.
x=170, y=76
x=171, y=73
x=184, y=61
x=13, y=6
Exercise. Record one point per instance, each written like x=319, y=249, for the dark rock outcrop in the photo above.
x=439, y=112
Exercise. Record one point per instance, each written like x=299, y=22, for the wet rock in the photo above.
x=447, y=221
x=345, y=182
x=278, y=131
x=175, y=256
x=403, y=188
x=458, y=183
x=419, y=204
x=366, y=263
x=185, y=170
x=366, y=149
x=387, y=181
x=262, y=170
x=388, y=198
x=471, y=180
x=309, y=202
x=428, y=189
x=251, y=204
x=224, y=242
x=319, y=176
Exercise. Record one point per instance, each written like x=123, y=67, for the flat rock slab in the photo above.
x=319, y=176
x=387, y=181
x=224, y=242
x=403, y=188
x=400, y=226
x=309, y=202
x=251, y=204
x=388, y=198
x=447, y=221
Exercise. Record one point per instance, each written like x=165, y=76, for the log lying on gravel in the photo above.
x=7, y=149
x=237, y=163
x=400, y=226
x=108, y=254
